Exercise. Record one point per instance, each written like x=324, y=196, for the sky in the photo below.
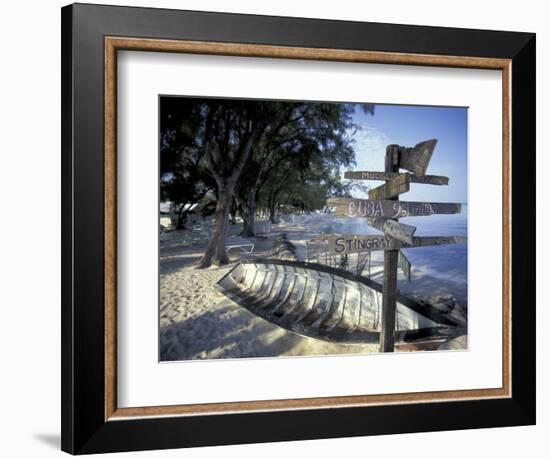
x=407, y=125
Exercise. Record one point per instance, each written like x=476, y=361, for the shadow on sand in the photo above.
x=175, y=263
x=224, y=333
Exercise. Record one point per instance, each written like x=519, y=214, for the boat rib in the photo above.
x=326, y=303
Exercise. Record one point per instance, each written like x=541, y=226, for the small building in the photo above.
x=167, y=215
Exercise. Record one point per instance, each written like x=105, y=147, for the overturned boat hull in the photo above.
x=326, y=303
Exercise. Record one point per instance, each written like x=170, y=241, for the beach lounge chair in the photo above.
x=244, y=247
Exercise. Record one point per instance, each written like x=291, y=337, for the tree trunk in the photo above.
x=225, y=184
x=181, y=215
x=233, y=212
x=248, y=213
x=181, y=223
x=215, y=252
x=273, y=213
x=273, y=197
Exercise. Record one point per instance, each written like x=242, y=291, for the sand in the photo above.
x=198, y=322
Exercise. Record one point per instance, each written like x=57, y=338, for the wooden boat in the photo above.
x=323, y=302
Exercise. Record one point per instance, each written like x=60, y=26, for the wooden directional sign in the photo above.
x=392, y=188
x=382, y=210
x=345, y=244
x=404, y=265
x=395, y=229
x=417, y=158
x=389, y=208
x=385, y=176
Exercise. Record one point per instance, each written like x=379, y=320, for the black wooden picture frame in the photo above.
x=86, y=427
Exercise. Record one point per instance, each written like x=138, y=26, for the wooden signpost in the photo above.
x=389, y=291
x=382, y=209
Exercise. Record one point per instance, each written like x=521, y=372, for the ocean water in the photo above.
x=442, y=269
x=436, y=270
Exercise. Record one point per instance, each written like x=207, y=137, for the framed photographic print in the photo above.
x=282, y=229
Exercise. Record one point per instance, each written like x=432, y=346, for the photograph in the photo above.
x=311, y=228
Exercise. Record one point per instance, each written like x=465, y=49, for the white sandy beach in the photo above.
x=198, y=322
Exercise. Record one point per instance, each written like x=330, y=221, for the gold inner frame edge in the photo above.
x=114, y=44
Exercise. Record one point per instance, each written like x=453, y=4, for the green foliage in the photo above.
x=297, y=150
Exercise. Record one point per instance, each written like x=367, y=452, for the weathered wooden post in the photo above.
x=387, y=322
x=382, y=211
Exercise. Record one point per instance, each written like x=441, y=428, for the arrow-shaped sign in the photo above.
x=404, y=265
x=417, y=158
x=385, y=176
x=395, y=229
x=389, y=208
x=342, y=244
x=393, y=188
